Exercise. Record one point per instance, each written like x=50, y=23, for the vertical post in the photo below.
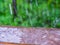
x=14, y=7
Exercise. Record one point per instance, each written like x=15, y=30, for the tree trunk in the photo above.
x=14, y=6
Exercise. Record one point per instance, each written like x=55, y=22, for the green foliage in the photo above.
x=38, y=13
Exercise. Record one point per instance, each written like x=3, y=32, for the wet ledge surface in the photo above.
x=41, y=36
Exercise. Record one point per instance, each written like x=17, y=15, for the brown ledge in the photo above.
x=26, y=36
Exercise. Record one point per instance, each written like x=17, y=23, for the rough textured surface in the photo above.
x=41, y=36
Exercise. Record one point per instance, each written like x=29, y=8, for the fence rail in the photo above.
x=23, y=35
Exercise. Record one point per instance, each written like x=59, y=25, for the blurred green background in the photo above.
x=31, y=13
